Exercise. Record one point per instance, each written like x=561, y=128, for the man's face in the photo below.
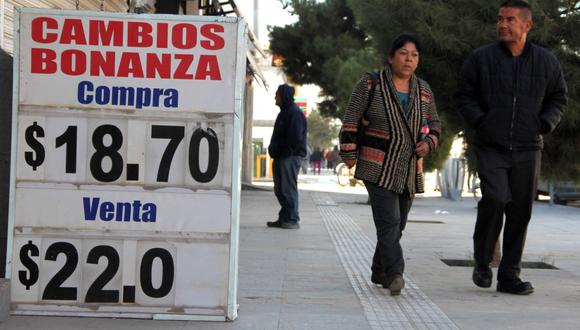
x=512, y=25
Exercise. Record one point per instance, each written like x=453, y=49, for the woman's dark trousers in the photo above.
x=390, y=212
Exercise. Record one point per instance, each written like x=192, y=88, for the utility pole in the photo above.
x=1, y=23
x=5, y=146
x=247, y=147
x=256, y=18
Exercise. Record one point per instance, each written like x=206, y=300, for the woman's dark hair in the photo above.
x=401, y=40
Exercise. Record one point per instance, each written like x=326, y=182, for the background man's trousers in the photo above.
x=286, y=187
x=508, y=185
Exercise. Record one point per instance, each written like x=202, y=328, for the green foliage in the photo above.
x=321, y=132
x=451, y=29
x=448, y=30
x=345, y=73
x=325, y=32
x=556, y=26
x=316, y=53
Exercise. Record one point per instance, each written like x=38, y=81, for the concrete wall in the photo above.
x=5, y=131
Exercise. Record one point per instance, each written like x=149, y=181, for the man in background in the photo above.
x=288, y=149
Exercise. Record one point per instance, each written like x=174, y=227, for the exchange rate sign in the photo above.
x=127, y=165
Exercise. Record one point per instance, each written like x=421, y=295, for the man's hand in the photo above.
x=422, y=148
x=350, y=162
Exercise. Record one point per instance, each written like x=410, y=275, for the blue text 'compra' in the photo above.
x=138, y=97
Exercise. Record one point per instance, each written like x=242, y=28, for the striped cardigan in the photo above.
x=386, y=154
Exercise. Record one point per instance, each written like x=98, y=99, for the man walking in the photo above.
x=512, y=92
x=287, y=148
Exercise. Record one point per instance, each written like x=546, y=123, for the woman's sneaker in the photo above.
x=396, y=284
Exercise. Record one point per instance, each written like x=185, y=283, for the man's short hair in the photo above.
x=520, y=4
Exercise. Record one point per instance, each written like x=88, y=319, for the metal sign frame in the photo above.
x=231, y=308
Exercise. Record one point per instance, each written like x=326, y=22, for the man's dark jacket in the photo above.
x=289, y=136
x=511, y=100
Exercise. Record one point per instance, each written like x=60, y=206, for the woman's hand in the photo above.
x=422, y=148
x=350, y=162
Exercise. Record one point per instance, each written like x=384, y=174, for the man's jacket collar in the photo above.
x=508, y=52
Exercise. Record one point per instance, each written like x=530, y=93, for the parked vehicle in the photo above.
x=560, y=192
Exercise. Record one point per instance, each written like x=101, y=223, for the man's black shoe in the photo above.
x=283, y=224
x=275, y=224
x=290, y=225
x=515, y=287
x=482, y=276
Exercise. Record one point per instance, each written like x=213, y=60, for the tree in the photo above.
x=316, y=47
x=334, y=52
x=345, y=73
x=556, y=27
x=449, y=30
x=321, y=132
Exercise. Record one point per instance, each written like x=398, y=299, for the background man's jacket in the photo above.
x=289, y=135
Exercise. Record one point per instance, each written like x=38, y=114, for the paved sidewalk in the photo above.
x=442, y=229
x=318, y=277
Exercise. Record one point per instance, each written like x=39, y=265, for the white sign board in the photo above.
x=126, y=173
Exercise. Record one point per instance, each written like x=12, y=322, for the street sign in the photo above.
x=126, y=157
x=302, y=103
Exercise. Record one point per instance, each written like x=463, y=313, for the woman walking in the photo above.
x=396, y=112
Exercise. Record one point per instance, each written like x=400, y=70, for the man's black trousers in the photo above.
x=508, y=185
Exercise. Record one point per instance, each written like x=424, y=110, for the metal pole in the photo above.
x=13, y=138
x=2, y=24
x=256, y=19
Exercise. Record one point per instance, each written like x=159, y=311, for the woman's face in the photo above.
x=405, y=60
